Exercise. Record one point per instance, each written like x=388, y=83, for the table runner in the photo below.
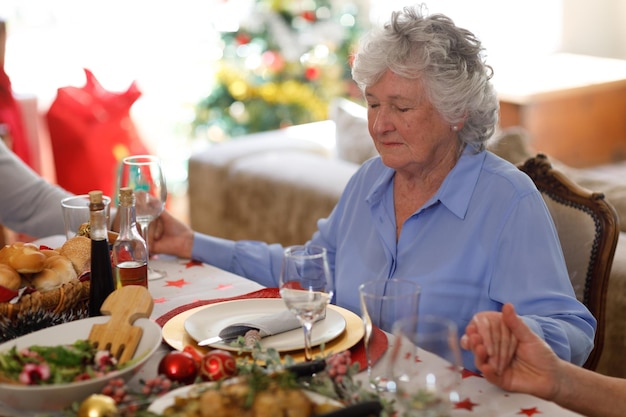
x=379, y=342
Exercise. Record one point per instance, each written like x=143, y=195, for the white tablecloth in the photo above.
x=189, y=281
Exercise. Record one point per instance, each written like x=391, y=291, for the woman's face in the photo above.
x=408, y=132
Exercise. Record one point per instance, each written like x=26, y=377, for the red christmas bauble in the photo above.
x=179, y=367
x=218, y=364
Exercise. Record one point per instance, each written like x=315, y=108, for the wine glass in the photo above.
x=144, y=175
x=426, y=365
x=383, y=302
x=306, y=286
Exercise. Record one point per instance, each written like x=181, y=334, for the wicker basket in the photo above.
x=43, y=309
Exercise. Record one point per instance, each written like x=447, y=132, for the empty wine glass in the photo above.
x=383, y=302
x=144, y=175
x=426, y=365
x=306, y=286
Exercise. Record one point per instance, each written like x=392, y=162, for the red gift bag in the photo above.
x=91, y=131
x=11, y=118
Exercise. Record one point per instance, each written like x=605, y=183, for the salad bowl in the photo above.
x=38, y=398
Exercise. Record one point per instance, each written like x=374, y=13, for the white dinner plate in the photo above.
x=159, y=405
x=209, y=321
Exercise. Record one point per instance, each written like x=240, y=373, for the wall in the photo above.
x=595, y=28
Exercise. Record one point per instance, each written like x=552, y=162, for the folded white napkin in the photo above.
x=266, y=325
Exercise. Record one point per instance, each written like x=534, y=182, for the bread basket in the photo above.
x=37, y=310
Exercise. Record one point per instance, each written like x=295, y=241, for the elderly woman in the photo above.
x=435, y=207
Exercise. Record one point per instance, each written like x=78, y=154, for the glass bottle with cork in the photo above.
x=101, y=281
x=130, y=252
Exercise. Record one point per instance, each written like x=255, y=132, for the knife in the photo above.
x=215, y=339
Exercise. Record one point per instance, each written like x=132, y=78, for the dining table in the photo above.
x=190, y=286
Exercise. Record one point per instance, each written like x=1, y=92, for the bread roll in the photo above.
x=84, y=230
x=9, y=277
x=78, y=250
x=58, y=270
x=25, y=258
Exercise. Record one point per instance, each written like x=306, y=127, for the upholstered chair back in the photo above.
x=588, y=229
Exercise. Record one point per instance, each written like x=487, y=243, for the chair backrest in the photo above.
x=588, y=229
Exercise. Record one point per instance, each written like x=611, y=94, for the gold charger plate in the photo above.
x=175, y=335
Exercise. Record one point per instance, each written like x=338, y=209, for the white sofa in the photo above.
x=274, y=186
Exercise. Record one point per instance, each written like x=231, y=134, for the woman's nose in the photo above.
x=381, y=122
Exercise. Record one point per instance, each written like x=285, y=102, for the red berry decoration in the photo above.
x=179, y=367
x=218, y=364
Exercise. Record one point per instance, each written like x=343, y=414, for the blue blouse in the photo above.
x=485, y=238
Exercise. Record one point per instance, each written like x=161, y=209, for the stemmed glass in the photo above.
x=383, y=302
x=426, y=365
x=144, y=175
x=306, y=287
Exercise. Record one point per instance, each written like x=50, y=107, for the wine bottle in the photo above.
x=101, y=282
x=130, y=252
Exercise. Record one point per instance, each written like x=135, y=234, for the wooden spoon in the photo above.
x=118, y=335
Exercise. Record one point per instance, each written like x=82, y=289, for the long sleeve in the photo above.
x=28, y=203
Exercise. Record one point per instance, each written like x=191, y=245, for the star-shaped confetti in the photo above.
x=529, y=411
x=178, y=283
x=466, y=404
x=193, y=263
x=465, y=373
x=224, y=286
x=160, y=300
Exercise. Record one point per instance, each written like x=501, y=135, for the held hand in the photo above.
x=489, y=330
x=530, y=367
x=168, y=235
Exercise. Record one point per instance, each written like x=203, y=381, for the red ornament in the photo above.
x=243, y=39
x=309, y=15
x=179, y=367
x=218, y=364
x=312, y=73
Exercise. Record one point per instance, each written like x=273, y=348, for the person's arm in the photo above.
x=168, y=235
x=254, y=260
x=535, y=369
x=29, y=203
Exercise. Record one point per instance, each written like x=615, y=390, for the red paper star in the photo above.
x=224, y=286
x=193, y=263
x=179, y=283
x=466, y=404
x=467, y=373
x=160, y=300
x=529, y=411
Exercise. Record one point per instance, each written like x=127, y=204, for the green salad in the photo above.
x=48, y=365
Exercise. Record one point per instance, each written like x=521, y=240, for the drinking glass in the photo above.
x=144, y=175
x=76, y=213
x=383, y=302
x=306, y=286
x=426, y=365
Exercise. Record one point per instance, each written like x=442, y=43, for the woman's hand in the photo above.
x=510, y=355
x=169, y=235
x=489, y=330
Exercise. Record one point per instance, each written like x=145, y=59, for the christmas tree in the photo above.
x=282, y=67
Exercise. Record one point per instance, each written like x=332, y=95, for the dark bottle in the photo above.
x=101, y=282
x=130, y=252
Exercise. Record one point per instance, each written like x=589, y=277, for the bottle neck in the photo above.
x=97, y=222
x=127, y=220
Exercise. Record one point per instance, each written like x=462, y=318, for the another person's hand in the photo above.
x=532, y=367
x=489, y=330
x=168, y=235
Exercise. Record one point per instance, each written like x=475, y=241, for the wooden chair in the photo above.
x=588, y=228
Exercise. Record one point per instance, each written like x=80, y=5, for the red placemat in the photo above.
x=379, y=341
